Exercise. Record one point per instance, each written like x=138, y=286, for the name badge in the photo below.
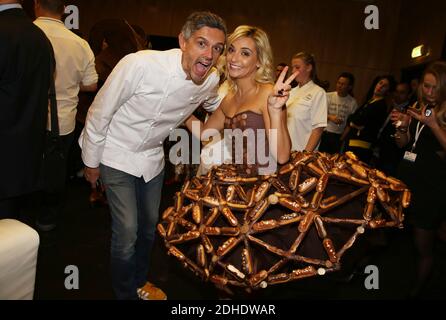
x=410, y=156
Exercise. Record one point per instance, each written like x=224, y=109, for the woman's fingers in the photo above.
x=291, y=78
x=282, y=75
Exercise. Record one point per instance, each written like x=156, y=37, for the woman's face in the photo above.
x=429, y=88
x=241, y=58
x=297, y=64
x=382, y=87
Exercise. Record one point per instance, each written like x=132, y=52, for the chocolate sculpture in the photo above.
x=251, y=232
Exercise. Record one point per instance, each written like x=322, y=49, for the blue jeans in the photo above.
x=134, y=206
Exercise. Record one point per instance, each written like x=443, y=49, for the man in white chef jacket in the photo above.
x=148, y=94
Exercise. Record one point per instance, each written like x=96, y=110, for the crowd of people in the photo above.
x=121, y=101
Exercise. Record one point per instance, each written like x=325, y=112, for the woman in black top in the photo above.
x=423, y=135
x=367, y=120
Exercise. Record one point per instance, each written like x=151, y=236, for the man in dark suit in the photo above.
x=25, y=57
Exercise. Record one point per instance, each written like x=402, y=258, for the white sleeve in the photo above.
x=119, y=87
x=319, y=110
x=329, y=102
x=90, y=75
x=213, y=101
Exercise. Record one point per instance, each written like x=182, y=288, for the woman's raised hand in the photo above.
x=281, y=91
x=426, y=116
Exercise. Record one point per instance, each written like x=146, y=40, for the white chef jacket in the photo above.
x=75, y=65
x=143, y=100
x=306, y=111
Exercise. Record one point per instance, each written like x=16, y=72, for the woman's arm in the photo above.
x=314, y=139
x=199, y=129
x=276, y=117
x=318, y=114
x=282, y=145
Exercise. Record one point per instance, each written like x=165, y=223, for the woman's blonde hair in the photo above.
x=438, y=70
x=265, y=72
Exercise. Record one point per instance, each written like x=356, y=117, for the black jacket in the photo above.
x=25, y=59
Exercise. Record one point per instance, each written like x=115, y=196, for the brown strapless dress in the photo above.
x=255, y=142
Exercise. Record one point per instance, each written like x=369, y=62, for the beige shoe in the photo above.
x=150, y=292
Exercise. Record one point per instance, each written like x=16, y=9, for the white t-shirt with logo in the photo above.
x=341, y=107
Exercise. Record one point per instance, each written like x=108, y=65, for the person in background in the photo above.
x=325, y=84
x=389, y=155
x=75, y=71
x=111, y=40
x=422, y=133
x=25, y=59
x=279, y=69
x=142, y=37
x=340, y=106
x=365, y=123
x=148, y=94
x=307, y=105
x=414, y=84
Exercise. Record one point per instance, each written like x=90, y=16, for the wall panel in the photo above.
x=333, y=30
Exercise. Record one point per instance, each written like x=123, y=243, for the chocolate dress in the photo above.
x=240, y=229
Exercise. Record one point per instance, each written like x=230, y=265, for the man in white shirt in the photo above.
x=75, y=70
x=144, y=99
x=340, y=106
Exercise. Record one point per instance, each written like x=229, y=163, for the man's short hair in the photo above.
x=349, y=76
x=53, y=6
x=198, y=20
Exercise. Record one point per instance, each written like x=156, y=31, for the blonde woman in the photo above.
x=423, y=135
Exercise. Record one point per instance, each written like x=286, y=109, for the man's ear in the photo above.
x=182, y=41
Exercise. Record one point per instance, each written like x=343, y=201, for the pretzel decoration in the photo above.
x=220, y=222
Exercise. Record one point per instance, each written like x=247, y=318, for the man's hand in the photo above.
x=92, y=175
x=335, y=119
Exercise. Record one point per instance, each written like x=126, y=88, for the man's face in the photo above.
x=343, y=86
x=201, y=52
x=401, y=94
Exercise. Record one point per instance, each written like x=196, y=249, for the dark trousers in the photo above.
x=330, y=143
x=52, y=198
